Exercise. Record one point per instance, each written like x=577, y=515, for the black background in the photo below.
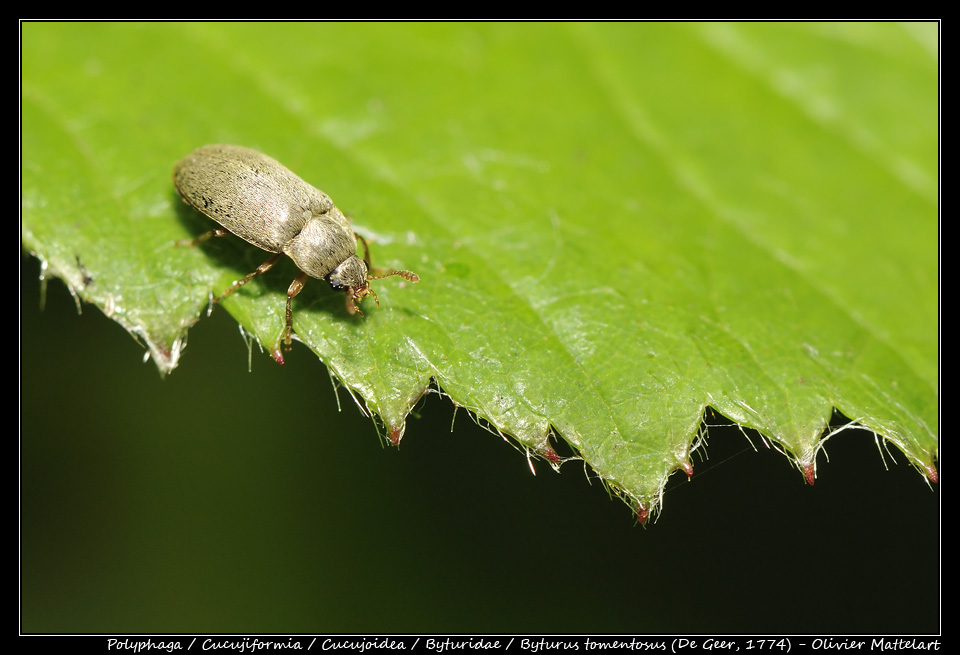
x=217, y=500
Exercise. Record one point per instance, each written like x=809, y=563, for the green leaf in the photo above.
x=616, y=226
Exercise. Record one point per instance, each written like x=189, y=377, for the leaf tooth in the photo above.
x=643, y=513
x=396, y=434
x=548, y=453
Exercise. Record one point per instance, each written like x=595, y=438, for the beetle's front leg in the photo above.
x=366, y=249
x=295, y=287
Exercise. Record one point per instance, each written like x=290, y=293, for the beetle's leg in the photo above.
x=366, y=249
x=295, y=287
x=261, y=269
x=356, y=295
x=219, y=232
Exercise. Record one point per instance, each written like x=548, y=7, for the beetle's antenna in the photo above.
x=381, y=273
x=406, y=275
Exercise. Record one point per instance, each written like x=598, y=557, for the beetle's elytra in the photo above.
x=261, y=201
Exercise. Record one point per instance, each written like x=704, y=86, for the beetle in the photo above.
x=261, y=201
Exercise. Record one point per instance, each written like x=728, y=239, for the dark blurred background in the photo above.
x=217, y=500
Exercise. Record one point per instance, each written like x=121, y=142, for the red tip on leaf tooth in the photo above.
x=642, y=514
x=809, y=473
x=932, y=473
x=278, y=356
x=395, y=435
x=688, y=469
x=550, y=455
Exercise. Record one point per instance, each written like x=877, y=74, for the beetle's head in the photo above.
x=351, y=276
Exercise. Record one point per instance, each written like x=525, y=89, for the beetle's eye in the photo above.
x=335, y=283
